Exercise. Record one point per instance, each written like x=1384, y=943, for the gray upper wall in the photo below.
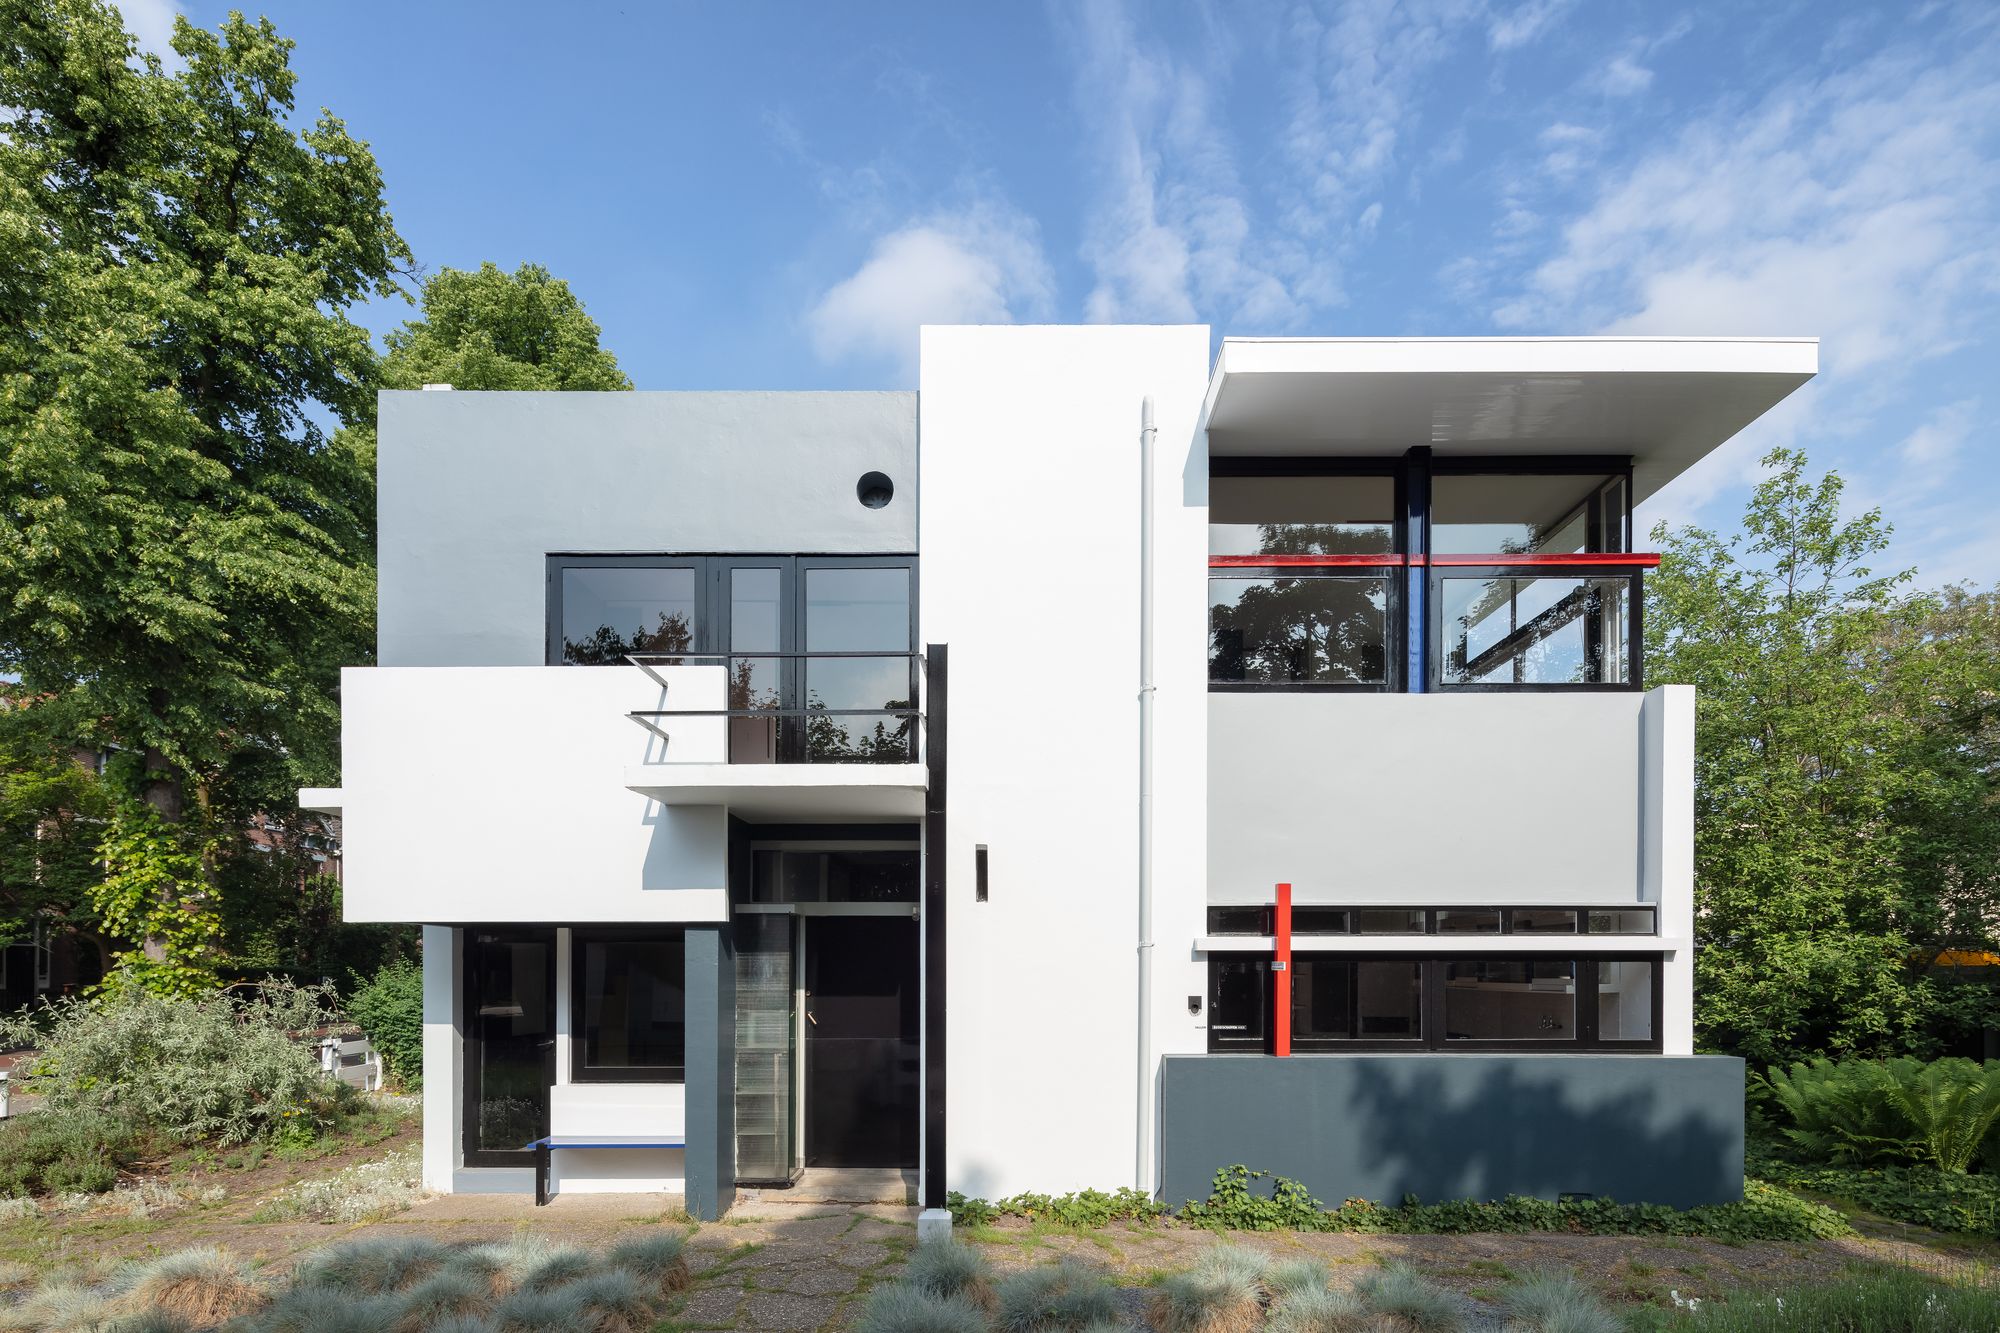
x=477, y=489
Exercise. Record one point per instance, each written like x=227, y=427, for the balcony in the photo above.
x=722, y=734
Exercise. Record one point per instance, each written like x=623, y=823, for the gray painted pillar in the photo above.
x=711, y=1071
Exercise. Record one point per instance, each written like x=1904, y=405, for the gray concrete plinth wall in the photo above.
x=1636, y=1128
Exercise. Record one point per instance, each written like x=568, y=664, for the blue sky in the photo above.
x=754, y=195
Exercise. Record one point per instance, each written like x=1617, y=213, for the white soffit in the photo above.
x=797, y=793
x=1665, y=401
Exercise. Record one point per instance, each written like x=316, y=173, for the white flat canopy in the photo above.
x=1665, y=401
x=802, y=793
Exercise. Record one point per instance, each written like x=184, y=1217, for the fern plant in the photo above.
x=1901, y=1110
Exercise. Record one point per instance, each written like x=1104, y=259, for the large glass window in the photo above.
x=1323, y=629
x=1535, y=631
x=1509, y=1000
x=629, y=1008
x=609, y=611
x=857, y=610
x=1540, y=514
x=1301, y=515
x=834, y=875
x=1343, y=1001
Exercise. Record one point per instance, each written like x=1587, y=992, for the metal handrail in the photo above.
x=647, y=662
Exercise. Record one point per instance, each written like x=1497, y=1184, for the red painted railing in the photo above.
x=1597, y=559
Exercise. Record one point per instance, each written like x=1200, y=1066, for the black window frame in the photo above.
x=1395, y=647
x=713, y=620
x=1582, y=568
x=1433, y=1038
x=580, y=1070
x=1508, y=912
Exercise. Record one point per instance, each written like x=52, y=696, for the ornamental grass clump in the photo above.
x=1549, y=1302
x=1057, y=1298
x=946, y=1268
x=319, y=1310
x=1406, y=1303
x=1319, y=1310
x=378, y=1264
x=1290, y=1276
x=200, y=1287
x=611, y=1301
x=902, y=1308
x=657, y=1258
x=526, y=1311
x=1198, y=1302
x=445, y=1294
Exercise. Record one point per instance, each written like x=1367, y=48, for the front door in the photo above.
x=861, y=1041
x=510, y=1040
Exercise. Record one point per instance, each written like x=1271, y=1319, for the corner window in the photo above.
x=1527, y=513
x=1536, y=629
x=628, y=1011
x=1301, y=515
x=1313, y=629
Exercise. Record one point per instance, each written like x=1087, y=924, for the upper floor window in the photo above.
x=1302, y=515
x=818, y=651
x=1526, y=513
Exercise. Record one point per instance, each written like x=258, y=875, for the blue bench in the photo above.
x=545, y=1147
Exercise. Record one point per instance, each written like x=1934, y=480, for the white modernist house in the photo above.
x=1105, y=765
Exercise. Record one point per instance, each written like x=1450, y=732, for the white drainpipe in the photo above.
x=1143, y=1177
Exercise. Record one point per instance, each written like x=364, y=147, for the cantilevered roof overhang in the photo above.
x=1666, y=402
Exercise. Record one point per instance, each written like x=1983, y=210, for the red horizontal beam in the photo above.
x=1599, y=559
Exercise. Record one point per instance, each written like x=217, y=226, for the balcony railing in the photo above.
x=1487, y=622
x=802, y=707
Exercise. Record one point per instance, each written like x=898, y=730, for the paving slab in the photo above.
x=783, y=1312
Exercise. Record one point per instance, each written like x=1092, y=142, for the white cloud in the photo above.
x=1622, y=76
x=1860, y=207
x=1524, y=23
x=1569, y=148
x=152, y=22
x=1940, y=437
x=1169, y=236
x=982, y=264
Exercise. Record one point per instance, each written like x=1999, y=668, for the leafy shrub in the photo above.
x=1766, y=1213
x=223, y=1067
x=1890, y=1111
x=1941, y=1200
x=902, y=1308
x=1085, y=1209
x=1057, y=1298
x=389, y=1007
x=1549, y=1302
x=1887, y=1301
x=42, y=1153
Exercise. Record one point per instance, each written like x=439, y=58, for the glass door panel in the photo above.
x=510, y=982
x=861, y=610
x=756, y=625
x=609, y=611
x=766, y=1102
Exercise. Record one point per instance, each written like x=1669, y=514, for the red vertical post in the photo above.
x=1281, y=975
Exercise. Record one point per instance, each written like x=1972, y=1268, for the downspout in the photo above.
x=1143, y=1176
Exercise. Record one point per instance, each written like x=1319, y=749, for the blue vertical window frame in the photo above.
x=1415, y=488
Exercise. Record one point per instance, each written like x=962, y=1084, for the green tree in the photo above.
x=186, y=552
x=1829, y=788
x=53, y=809
x=490, y=329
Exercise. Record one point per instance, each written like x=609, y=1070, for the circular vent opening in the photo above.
x=875, y=489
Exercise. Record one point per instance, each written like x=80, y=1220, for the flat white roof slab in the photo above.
x=1666, y=402
x=791, y=792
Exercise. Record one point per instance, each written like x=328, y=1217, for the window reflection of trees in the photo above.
x=1318, y=627
x=606, y=646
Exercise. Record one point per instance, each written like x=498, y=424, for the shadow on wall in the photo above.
x=1639, y=1129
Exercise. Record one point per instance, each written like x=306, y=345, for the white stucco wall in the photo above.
x=493, y=794
x=1425, y=798
x=477, y=489
x=1030, y=540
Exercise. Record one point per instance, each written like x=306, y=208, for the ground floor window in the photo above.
x=630, y=1006
x=1457, y=1002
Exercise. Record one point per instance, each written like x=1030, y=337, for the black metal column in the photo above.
x=933, y=1189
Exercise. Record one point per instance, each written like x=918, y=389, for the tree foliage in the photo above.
x=490, y=329
x=1836, y=847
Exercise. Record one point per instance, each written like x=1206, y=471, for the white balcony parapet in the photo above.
x=807, y=792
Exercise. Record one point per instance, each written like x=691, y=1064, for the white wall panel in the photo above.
x=1030, y=540
x=491, y=794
